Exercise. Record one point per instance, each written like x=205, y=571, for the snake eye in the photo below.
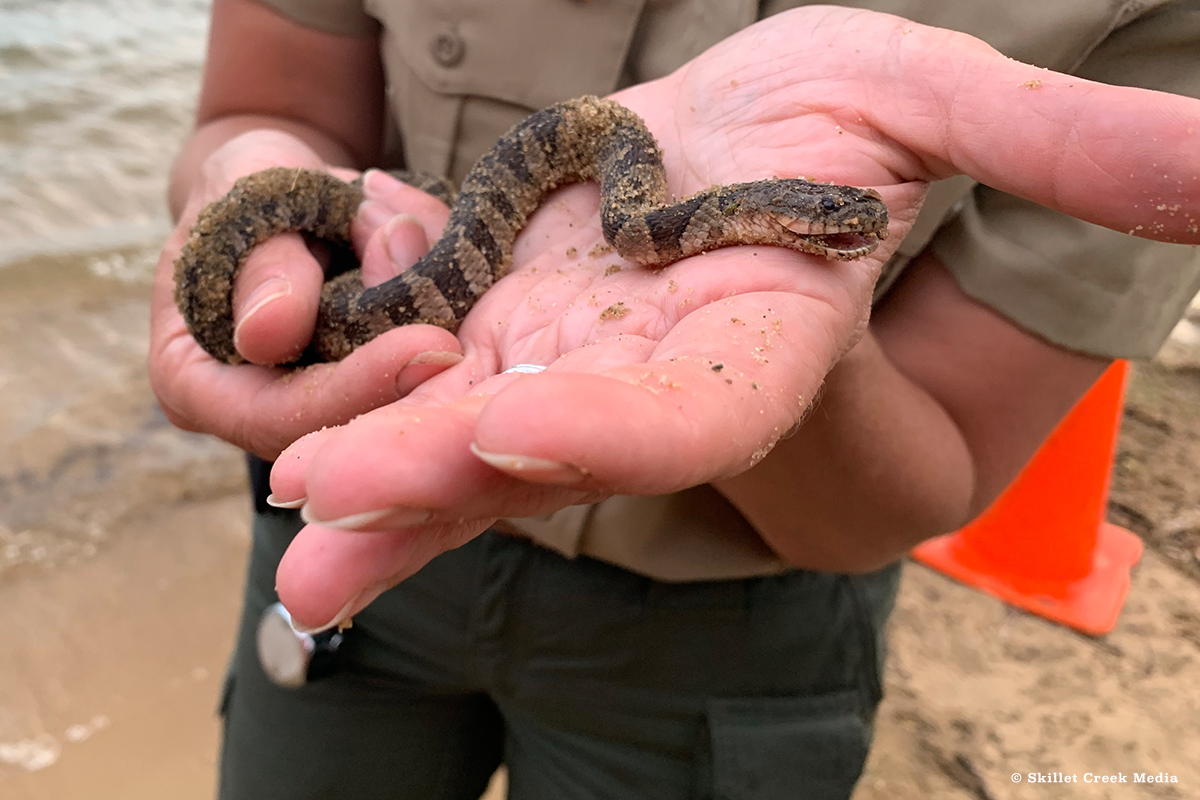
x=829, y=204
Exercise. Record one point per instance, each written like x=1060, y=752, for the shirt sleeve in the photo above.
x=1078, y=285
x=341, y=17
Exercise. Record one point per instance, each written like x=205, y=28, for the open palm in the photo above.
x=660, y=380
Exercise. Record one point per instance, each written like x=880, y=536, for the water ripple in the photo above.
x=98, y=95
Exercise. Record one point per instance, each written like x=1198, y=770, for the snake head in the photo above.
x=840, y=222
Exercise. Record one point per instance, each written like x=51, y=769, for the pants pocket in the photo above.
x=786, y=748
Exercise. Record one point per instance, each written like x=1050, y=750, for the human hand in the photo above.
x=632, y=402
x=264, y=409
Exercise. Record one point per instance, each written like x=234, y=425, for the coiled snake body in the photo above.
x=577, y=140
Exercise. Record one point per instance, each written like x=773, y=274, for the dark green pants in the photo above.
x=587, y=680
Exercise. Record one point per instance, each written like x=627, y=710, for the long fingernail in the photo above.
x=274, y=503
x=268, y=292
x=542, y=470
x=342, y=618
x=384, y=519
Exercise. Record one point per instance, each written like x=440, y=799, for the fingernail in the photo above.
x=270, y=290
x=384, y=519
x=374, y=214
x=377, y=183
x=542, y=470
x=342, y=618
x=405, y=240
x=422, y=367
x=271, y=501
x=446, y=358
x=338, y=619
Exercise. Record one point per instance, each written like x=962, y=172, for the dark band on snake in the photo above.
x=577, y=140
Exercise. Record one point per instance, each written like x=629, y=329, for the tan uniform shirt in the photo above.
x=461, y=72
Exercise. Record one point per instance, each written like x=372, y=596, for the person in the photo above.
x=685, y=586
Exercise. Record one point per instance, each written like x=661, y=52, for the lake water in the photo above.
x=95, y=98
x=97, y=565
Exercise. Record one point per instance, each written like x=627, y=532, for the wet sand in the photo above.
x=117, y=661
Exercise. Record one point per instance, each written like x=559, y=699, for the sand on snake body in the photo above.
x=578, y=140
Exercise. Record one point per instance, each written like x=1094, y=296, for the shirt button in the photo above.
x=449, y=49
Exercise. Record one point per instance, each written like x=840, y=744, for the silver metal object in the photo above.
x=528, y=369
x=291, y=658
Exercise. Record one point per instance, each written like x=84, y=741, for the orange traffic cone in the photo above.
x=1043, y=545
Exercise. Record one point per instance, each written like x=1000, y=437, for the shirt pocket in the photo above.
x=527, y=52
x=782, y=748
x=461, y=72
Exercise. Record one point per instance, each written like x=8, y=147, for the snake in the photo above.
x=584, y=139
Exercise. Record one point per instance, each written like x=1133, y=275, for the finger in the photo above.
x=330, y=573
x=724, y=385
x=344, y=173
x=1115, y=156
x=395, y=246
x=327, y=576
x=377, y=473
x=277, y=287
x=389, y=197
x=287, y=473
x=275, y=299
x=263, y=410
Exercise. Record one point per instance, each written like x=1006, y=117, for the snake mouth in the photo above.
x=849, y=245
x=848, y=240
